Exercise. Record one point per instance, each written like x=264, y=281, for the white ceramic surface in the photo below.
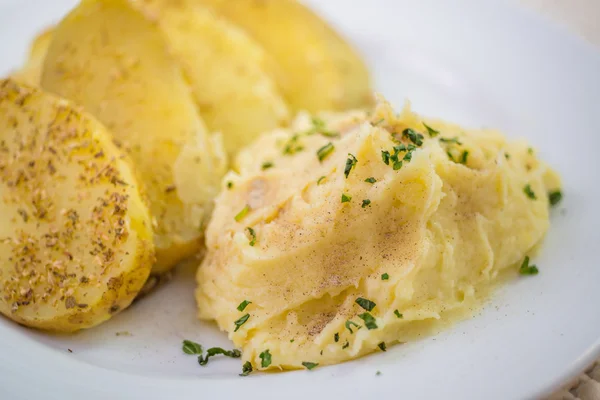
x=480, y=63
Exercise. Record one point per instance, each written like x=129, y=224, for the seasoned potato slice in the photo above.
x=32, y=70
x=108, y=57
x=75, y=236
x=227, y=70
x=320, y=70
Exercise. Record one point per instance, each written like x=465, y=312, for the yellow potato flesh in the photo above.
x=32, y=70
x=319, y=71
x=75, y=236
x=115, y=62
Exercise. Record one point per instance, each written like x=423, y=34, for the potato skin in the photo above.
x=109, y=57
x=77, y=240
x=318, y=70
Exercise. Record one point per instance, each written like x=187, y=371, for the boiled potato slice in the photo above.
x=227, y=70
x=32, y=70
x=320, y=70
x=75, y=236
x=115, y=62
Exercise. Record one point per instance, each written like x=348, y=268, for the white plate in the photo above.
x=475, y=62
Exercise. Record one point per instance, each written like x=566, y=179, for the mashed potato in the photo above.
x=344, y=235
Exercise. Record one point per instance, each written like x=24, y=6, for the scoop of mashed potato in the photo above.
x=346, y=234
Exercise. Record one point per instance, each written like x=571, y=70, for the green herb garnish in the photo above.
x=397, y=165
x=382, y=346
x=240, y=216
x=555, y=197
x=347, y=344
x=350, y=163
x=320, y=180
x=414, y=137
x=213, y=351
x=450, y=156
x=246, y=368
x=463, y=157
x=378, y=122
x=240, y=322
x=320, y=127
x=370, y=180
x=336, y=337
x=397, y=314
x=267, y=165
x=432, y=132
x=369, y=320
x=265, y=359
x=349, y=327
x=529, y=192
x=346, y=198
x=366, y=304
x=385, y=156
x=385, y=277
x=451, y=140
x=309, y=365
x=292, y=341
x=229, y=184
x=292, y=146
x=530, y=150
x=190, y=347
x=527, y=269
x=252, y=237
x=324, y=151
x=507, y=156
x=408, y=156
x=365, y=203
x=243, y=305
x=378, y=373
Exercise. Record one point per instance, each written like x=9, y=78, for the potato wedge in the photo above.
x=320, y=70
x=227, y=70
x=31, y=72
x=107, y=56
x=75, y=236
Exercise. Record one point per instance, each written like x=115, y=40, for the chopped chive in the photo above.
x=346, y=198
x=529, y=192
x=324, y=151
x=320, y=180
x=432, y=132
x=451, y=157
x=349, y=326
x=350, y=163
x=240, y=322
x=397, y=314
x=451, y=140
x=292, y=146
x=336, y=337
x=252, y=236
x=243, y=305
x=397, y=165
x=265, y=359
x=385, y=156
x=371, y=180
x=385, y=277
x=366, y=203
x=378, y=122
x=309, y=365
x=555, y=197
x=366, y=304
x=369, y=320
x=347, y=344
x=463, y=157
x=267, y=165
x=246, y=368
x=527, y=269
x=242, y=214
x=382, y=346
x=190, y=347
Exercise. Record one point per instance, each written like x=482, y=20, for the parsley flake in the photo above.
x=265, y=359
x=309, y=365
x=527, y=269
x=243, y=305
x=369, y=320
x=267, y=165
x=324, y=151
x=385, y=277
x=242, y=214
x=246, y=368
x=378, y=373
x=382, y=346
x=371, y=180
x=347, y=344
x=366, y=203
x=240, y=322
x=292, y=341
x=397, y=314
x=346, y=198
x=366, y=304
x=213, y=351
x=555, y=197
x=349, y=327
x=529, y=192
x=252, y=234
x=414, y=137
x=385, y=156
x=190, y=347
x=229, y=184
x=432, y=132
x=397, y=165
x=378, y=122
x=336, y=337
x=350, y=163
